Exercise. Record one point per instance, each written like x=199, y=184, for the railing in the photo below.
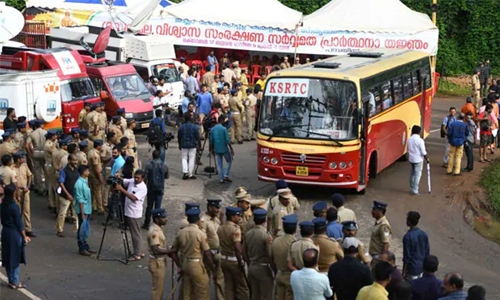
x=33, y=35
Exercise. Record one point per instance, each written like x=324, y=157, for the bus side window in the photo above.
x=397, y=86
x=143, y=72
x=407, y=86
x=374, y=90
x=386, y=95
x=426, y=74
x=97, y=82
x=415, y=78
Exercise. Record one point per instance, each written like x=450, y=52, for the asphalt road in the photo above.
x=56, y=271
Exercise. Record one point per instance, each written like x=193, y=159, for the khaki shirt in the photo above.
x=224, y=100
x=57, y=158
x=235, y=105
x=237, y=72
x=275, y=216
x=156, y=237
x=131, y=140
x=257, y=244
x=106, y=154
x=210, y=227
x=381, y=234
x=279, y=251
x=89, y=142
x=81, y=157
x=7, y=148
x=297, y=248
x=37, y=139
x=250, y=103
x=191, y=242
x=229, y=234
x=330, y=251
x=9, y=175
x=82, y=118
x=19, y=141
x=48, y=150
x=90, y=121
x=239, y=96
x=123, y=124
x=285, y=65
x=345, y=214
x=23, y=175
x=213, y=88
x=208, y=79
x=117, y=130
x=94, y=161
x=476, y=83
x=294, y=202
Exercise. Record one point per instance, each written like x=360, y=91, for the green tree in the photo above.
x=19, y=4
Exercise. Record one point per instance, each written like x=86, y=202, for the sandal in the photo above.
x=482, y=161
x=487, y=160
x=134, y=258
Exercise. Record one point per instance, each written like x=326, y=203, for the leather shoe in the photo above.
x=30, y=234
x=85, y=253
x=60, y=234
x=91, y=251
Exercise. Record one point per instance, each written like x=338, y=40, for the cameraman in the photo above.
x=156, y=173
x=134, y=199
x=159, y=122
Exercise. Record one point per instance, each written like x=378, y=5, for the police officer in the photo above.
x=35, y=145
x=211, y=222
x=81, y=155
x=7, y=171
x=282, y=188
x=24, y=175
x=115, y=127
x=187, y=206
x=50, y=179
x=7, y=147
x=380, y=239
x=344, y=214
x=250, y=103
x=257, y=246
x=84, y=137
x=243, y=202
x=106, y=159
x=298, y=247
x=350, y=229
x=123, y=121
x=237, y=109
x=58, y=156
x=82, y=116
x=233, y=266
x=279, y=253
x=132, y=144
x=90, y=119
x=319, y=209
x=329, y=250
x=192, y=243
x=96, y=180
x=75, y=135
x=19, y=139
x=275, y=215
x=29, y=153
x=158, y=251
x=97, y=124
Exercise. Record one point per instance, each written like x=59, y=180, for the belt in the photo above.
x=192, y=259
x=236, y=113
x=215, y=251
x=154, y=257
x=230, y=258
x=259, y=264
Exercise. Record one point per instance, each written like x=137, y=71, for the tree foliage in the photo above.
x=19, y=4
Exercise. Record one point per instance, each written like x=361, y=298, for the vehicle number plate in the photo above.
x=145, y=125
x=302, y=171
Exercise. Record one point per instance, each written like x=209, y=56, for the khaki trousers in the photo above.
x=236, y=127
x=477, y=99
x=250, y=114
x=234, y=281
x=283, y=286
x=455, y=159
x=261, y=281
x=39, y=167
x=26, y=209
x=50, y=180
x=105, y=188
x=64, y=205
x=195, y=281
x=96, y=189
x=157, y=269
x=219, y=284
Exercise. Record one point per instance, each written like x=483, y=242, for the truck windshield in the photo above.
x=167, y=71
x=128, y=87
x=77, y=89
x=307, y=108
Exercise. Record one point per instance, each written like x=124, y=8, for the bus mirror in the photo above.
x=104, y=95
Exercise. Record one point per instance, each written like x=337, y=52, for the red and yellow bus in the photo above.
x=340, y=121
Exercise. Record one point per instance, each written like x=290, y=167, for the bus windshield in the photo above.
x=128, y=87
x=77, y=89
x=309, y=108
x=167, y=71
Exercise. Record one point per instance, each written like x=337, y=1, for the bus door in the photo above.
x=362, y=118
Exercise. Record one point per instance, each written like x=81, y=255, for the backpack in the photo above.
x=157, y=177
x=154, y=135
x=209, y=121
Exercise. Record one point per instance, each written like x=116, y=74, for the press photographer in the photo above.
x=157, y=134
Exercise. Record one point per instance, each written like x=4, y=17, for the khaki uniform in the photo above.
x=81, y=157
x=330, y=252
x=363, y=255
x=223, y=100
x=257, y=246
x=106, y=156
x=95, y=166
x=192, y=242
x=381, y=234
x=157, y=263
x=246, y=222
x=89, y=119
x=50, y=178
x=29, y=156
x=8, y=174
x=37, y=140
x=23, y=175
x=237, y=110
x=279, y=253
x=117, y=130
x=97, y=122
x=131, y=145
x=210, y=227
x=275, y=216
x=234, y=277
x=297, y=248
x=57, y=160
x=19, y=141
x=82, y=118
x=123, y=124
x=476, y=91
x=7, y=148
x=244, y=85
x=90, y=144
x=345, y=214
x=250, y=103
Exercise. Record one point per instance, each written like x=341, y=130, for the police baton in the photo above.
x=172, y=291
x=245, y=276
x=22, y=201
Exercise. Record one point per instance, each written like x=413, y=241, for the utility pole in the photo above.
x=434, y=8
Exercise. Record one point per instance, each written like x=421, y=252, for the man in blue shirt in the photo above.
x=334, y=229
x=185, y=102
x=308, y=283
x=428, y=287
x=83, y=207
x=457, y=135
x=415, y=247
x=204, y=104
x=160, y=122
x=191, y=83
x=450, y=118
x=212, y=60
x=220, y=146
x=189, y=141
x=119, y=161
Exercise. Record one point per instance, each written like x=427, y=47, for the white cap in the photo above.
x=350, y=242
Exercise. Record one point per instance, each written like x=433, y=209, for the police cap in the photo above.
x=306, y=224
x=193, y=215
x=75, y=130
x=290, y=219
x=379, y=205
x=190, y=205
x=64, y=141
x=338, y=200
x=83, y=144
x=21, y=125
x=159, y=213
x=84, y=133
x=98, y=143
x=320, y=222
x=121, y=110
x=233, y=211
x=259, y=214
x=116, y=118
x=6, y=135
x=18, y=154
x=319, y=206
x=349, y=225
x=214, y=202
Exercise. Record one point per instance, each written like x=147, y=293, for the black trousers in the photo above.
x=469, y=152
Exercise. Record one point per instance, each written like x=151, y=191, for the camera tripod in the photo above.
x=199, y=153
x=116, y=213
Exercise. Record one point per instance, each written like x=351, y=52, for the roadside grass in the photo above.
x=490, y=181
x=448, y=88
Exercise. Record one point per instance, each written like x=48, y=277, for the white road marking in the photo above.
x=23, y=291
x=435, y=130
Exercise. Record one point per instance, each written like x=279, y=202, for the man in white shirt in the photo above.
x=134, y=200
x=416, y=155
x=307, y=283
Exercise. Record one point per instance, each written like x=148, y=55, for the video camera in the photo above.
x=113, y=181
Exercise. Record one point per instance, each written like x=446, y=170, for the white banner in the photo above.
x=258, y=38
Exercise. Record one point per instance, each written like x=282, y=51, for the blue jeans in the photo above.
x=415, y=175
x=13, y=275
x=154, y=198
x=228, y=158
x=82, y=244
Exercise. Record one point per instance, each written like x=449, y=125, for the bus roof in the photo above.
x=354, y=67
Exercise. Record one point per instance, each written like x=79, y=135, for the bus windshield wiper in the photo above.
x=280, y=128
x=325, y=135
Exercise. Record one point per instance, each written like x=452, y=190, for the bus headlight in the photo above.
x=265, y=159
x=342, y=165
x=274, y=160
x=333, y=165
x=129, y=115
